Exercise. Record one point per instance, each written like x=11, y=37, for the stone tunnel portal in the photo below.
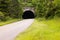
x=28, y=15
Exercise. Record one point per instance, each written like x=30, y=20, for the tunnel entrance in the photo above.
x=28, y=15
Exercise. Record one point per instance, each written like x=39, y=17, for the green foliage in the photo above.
x=47, y=8
x=10, y=9
x=1, y=16
x=14, y=9
x=43, y=8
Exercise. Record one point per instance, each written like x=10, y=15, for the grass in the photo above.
x=42, y=30
x=8, y=21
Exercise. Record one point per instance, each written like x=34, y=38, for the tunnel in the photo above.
x=28, y=15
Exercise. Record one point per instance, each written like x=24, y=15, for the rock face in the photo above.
x=28, y=15
x=28, y=8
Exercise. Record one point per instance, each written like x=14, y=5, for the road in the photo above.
x=10, y=31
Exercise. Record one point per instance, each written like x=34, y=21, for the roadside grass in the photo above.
x=42, y=30
x=8, y=21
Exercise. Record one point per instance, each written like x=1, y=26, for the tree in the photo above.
x=10, y=8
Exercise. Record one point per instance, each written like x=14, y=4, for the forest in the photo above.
x=46, y=25
x=12, y=9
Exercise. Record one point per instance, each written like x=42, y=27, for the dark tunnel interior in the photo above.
x=28, y=15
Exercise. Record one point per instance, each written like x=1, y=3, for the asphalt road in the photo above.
x=10, y=31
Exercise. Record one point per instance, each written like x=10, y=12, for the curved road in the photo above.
x=10, y=31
